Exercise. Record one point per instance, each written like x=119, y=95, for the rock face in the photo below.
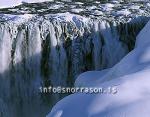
x=39, y=47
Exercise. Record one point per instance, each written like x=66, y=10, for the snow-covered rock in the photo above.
x=113, y=10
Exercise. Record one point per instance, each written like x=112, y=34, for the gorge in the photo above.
x=51, y=43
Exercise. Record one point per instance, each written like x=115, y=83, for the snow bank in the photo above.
x=11, y=3
x=35, y=1
x=130, y=76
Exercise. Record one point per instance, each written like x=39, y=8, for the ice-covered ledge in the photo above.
x=130, y=76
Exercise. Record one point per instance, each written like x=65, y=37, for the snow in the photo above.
x=112, y=10
x=11, y=3
x=115, y=1
x=56, y=6
x=124, y=12
x=90, y=76
x=148, y=4
x=79, y=3
x=134, y=7
x=97, y=12
x=109, y=5
x=105, y=8
x=77, y=10
x=91, y=7
x=130, y=76
x=17, y=18
x=35, y=1
x=69, y=17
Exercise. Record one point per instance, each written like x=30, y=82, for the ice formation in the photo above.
x=49, y=43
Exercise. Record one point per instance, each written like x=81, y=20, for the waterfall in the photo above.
x=50, y=51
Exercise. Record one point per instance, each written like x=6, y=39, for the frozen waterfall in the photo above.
x=54, y=50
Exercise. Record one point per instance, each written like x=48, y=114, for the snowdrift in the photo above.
x=130, y=76
x=12, y=3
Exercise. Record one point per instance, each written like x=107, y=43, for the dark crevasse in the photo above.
x=46, y=51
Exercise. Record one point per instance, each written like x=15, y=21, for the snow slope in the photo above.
x=11, y=3
x=130, y=76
